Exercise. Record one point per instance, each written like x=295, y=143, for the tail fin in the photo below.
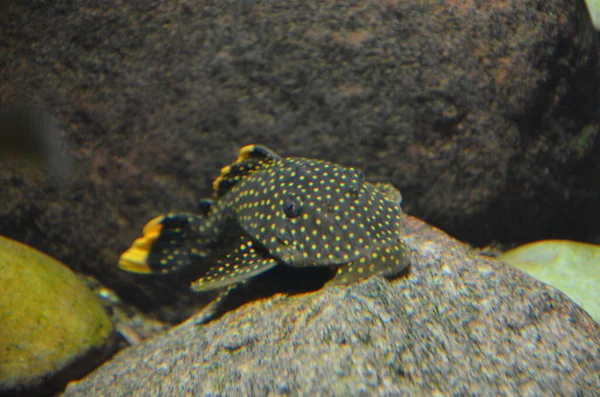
x=169, y=242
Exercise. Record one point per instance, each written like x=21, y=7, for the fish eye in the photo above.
x=292, y=207
x=301, y=170
x=357, y=181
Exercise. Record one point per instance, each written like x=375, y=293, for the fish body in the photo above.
x=268, y=211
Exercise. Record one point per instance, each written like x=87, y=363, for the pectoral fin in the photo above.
x=239, y=265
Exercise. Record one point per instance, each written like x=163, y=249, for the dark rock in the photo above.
x=456, y=324
x=484, y=114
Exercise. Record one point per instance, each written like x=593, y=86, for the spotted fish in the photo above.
x=270, y=210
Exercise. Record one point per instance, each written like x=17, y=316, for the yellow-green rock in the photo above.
x=594, y=9
x=570, y=266
x=48, y=318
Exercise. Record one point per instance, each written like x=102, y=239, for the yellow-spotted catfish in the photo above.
x=269, y=211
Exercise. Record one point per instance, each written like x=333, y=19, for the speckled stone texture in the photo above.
x=455, y=324
x=484, y=114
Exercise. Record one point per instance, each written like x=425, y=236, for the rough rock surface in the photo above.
x=52, y=327
x=484, y=114
x=456, y=324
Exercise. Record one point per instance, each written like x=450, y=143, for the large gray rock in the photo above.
x=456, y=324
x=484, y=114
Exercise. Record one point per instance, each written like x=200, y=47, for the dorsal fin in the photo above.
x=250, y=159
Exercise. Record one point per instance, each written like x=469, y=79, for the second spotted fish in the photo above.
x=270, y=210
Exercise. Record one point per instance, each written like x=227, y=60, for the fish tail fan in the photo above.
x=169, y=242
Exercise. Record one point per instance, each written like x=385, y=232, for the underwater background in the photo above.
x=485, y=116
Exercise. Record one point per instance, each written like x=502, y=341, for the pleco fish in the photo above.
x=270, y=210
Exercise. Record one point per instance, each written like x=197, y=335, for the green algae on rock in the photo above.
x=50, y=322
x=594, y=9
x=570, y=266
x=270, y=210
